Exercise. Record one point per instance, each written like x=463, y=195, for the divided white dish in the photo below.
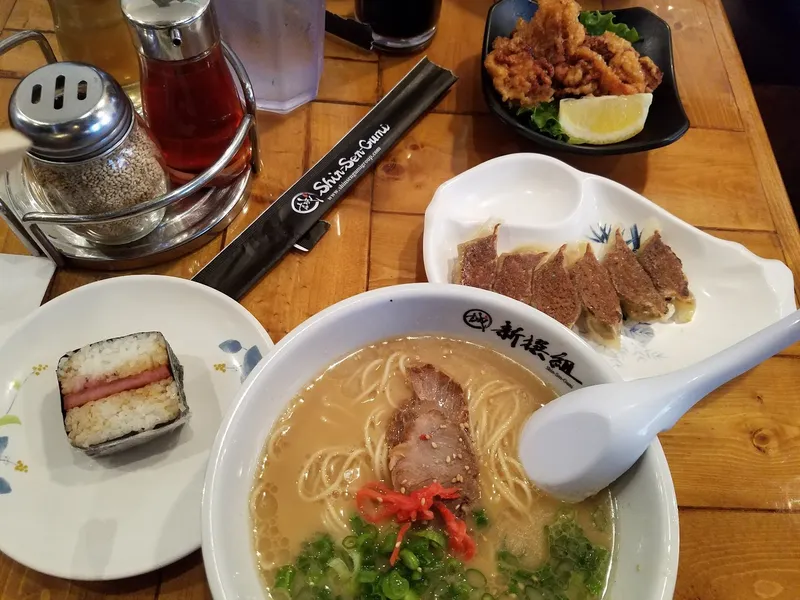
x=543, y=201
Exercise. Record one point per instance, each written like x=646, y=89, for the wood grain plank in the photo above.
x=740, y=447
x=774, y=190
x=303, y=284
x=702, y=80
x=456, y=46
x=6, y=8
x=676, y=177
x=732, y=555
x=69, y=279
x=282, y=141
x=349, y=81
x=19, y=583
x=31, y=14
x=185, y=580
x=20, y=61
x=338, y=48
x=395, y=255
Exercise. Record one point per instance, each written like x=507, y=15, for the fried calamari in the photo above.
x=517, y=75
x=552, y=56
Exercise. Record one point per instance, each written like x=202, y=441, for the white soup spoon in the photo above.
x=581, y=442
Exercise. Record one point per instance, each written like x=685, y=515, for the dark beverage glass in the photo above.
x=400, y=25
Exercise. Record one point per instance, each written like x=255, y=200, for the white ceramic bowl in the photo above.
x=646, y=556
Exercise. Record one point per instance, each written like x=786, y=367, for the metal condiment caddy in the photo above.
x=193, y=213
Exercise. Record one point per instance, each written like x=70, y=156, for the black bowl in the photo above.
x=666, y=122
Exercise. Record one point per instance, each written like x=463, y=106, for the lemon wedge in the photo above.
x=605, y=119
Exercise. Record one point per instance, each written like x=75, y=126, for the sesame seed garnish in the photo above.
x=404, y=482
x=460, y=440
x=402, y=490
x=466, y=467
x=422, y=501
x=453, y=480
x=459, y=455
x=434, y=445
x=447, y=460
x=442, y=426
x=397, y=545
x=380, y=500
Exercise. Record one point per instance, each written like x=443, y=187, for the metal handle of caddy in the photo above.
x=247, y=129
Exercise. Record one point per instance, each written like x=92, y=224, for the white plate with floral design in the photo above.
x=72, y=516
x=543, y=201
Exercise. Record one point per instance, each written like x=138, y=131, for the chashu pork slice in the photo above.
x=429, y=438
x=666, y=271
x=601, y=317
x=638, y=296
x=477, y=262
x=515, y=274
x=553, y=292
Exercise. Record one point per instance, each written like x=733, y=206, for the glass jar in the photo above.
x=128, y=174
x=189, y=97
x=90, y=153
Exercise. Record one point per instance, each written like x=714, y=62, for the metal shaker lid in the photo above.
x=70, y=111
x=171, y=29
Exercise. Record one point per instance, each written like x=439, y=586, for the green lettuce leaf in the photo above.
x=597, y=23
x=544, y=118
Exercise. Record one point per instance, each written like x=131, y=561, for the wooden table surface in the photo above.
x=735, y=458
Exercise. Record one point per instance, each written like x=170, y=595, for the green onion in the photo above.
x=481, y=520
x=531, y=593
x=475, y=578
x=285, y=577
x=338, y=565
x=349, y=542
x=411, y=595
x=409, y=559
x=394, y=586
x=315, y=576
x=453, y=566
x=367, y=576
x=462, y=590
x=387, y=543
x=437, y=537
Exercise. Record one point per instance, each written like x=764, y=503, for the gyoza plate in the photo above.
x=541, y=200
x=72, y=516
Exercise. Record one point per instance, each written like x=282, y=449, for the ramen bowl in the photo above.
x=646, y=517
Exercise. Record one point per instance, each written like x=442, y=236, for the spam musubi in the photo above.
x=121, y=392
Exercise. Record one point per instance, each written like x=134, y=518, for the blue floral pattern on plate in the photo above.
x=602, y=232
x=9, y=419
x=244, y=363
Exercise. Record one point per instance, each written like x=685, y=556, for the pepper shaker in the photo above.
x=189, y=98
x=90, y=152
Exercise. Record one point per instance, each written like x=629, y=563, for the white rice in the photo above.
x=111, y=359
x=128, y=412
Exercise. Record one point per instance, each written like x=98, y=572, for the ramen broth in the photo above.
x=330, y=441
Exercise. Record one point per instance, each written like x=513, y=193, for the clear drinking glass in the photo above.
x=400, y=26
x=280, y=43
